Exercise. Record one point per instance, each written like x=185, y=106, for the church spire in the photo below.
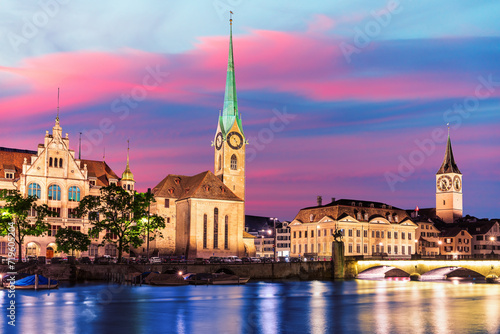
x=230, y=101
x=127, y=174
x=449, y=165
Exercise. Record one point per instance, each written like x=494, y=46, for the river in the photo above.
x=357, y=306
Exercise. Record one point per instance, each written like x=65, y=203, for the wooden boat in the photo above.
x=226, y=279
x=166, y=279
x=33, y=282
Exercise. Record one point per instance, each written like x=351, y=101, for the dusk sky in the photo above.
x=344, y=99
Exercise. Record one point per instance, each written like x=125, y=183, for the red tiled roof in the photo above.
x=13, y=159
x=204, y=185
x=99, y=170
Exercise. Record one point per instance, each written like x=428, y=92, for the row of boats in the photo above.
x=36, y=282
x=155, y=278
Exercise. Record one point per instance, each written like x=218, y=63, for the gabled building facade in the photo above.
x=59, y=179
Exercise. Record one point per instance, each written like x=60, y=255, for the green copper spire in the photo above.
x=230, y=101
x=230, y=112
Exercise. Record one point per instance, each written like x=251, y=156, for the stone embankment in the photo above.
x=258, y=271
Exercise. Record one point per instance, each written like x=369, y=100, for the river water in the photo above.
x=357, y=306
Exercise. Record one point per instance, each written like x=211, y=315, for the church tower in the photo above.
x=127, y=181
x=449, y=205
x=229, y=141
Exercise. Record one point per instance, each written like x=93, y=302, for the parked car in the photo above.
x=102, y=260
x=56, y=260
x=154, y=260
x=246, y=260
x=235, y=259
x=200, y=260
x=32, y=259
x=215, y=259
x=294, y=259
x=85, y=260
x=255, y=259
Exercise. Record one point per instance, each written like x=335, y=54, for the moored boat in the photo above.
x=33, y=282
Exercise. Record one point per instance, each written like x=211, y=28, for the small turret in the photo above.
x=127, y=180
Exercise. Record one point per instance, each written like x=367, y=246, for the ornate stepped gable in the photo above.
x=204, y=185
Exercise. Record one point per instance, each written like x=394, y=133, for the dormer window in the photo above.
x=360, y=204
x=372, y=205
x=353, y=203
x=177, y=181
x=92, y=182
x=383, y=206
x=311, y=217
x=207, y=188
x=9, y=175
x=171, y=191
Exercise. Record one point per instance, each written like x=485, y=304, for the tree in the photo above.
x=69, y=240
x=16, y=222
x=122, y=216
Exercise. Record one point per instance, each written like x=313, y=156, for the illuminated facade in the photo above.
x=59, y=179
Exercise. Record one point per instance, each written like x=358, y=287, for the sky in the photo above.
x=339, y=99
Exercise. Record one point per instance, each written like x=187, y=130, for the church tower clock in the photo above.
x=229, y=141
x=449, y=205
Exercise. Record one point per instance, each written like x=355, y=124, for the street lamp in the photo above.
x=149, y=209
x=274, y=246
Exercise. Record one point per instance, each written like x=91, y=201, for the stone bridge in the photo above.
x=427, y=268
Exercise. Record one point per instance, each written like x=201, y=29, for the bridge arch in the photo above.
x=382, y=272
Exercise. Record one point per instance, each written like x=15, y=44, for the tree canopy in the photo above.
x=21, y=216
x=120, y=218
x=69, y=240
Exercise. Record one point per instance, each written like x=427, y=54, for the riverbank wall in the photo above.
x=257, y=271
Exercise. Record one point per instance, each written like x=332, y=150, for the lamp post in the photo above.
x=275, y=245
x=149, y=208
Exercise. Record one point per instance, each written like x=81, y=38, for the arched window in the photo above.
x=50, y=162
x=60, y=163
x=93, y=250
x=220, y=163
x=205, y=230
x=34, y=189
x=216, y=228
x=226, y=232
x=74, y=194
x=234, y=162
x=54, y=192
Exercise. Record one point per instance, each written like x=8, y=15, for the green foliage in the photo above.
x=14, y=218
x=122, y=216
x=69, y=240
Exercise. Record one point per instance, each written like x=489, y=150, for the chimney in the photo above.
x=333, y=199
x=319, y=200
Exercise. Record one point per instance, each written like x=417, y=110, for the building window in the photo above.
x=234, y=162
x=205, y=230
x=294, y=235
x=300, y=249
x=365, y=248
x=388, y=249
x=395, y=248
x=409, y=236
x=395, y=237
x=167, y=202
x=56, y=212
x=358, y=248
x=350, y=248
x=53, y=230
x=365, y=233
x=305, y=234
x=382, y=234
x=9, y=175
x=72, y=213
x=295, y=249
x=373, y=234
x=226, y=232
x=3, y=247
x=110, y=250
x=93, y=250
x=377, y=234
x=389, y=234
x=312, y=233
x=92, y=182
x=216, y=228
x=409, y=250
x=50, y=162
x=74, y=194
x=220, y=163
x=350, y=234
x=402, y=235
x=358, y=234
x=54, y=192
x=34, y=189
x=111, y=235
x=300, y=234
x=403, y=250
x=60, y=163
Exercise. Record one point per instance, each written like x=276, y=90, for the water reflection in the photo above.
x=286, y=307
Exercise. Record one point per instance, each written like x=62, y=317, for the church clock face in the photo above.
x=457, y=183
x=218, y=141
x=444, y=183
x=235, y=140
